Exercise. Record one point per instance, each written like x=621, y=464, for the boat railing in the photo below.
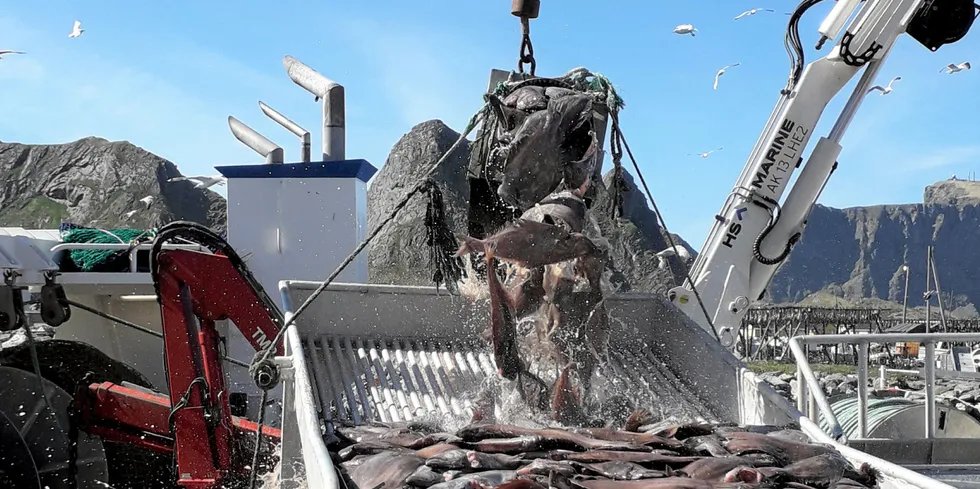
x=812, y=401
x=133, y=249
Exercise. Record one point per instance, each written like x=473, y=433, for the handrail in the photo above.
x=808, y=381
x=122, y=247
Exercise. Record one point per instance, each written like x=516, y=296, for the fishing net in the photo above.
x=102, y=260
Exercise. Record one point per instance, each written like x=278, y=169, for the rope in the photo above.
x=87, y=260
x=660, y=218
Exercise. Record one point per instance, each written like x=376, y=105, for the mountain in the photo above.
x=859, y=252
x=96, y=182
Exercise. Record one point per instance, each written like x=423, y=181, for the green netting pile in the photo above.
x=87, y=260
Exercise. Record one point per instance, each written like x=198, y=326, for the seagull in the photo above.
x=76, y=30
x=129, y=215
x=753, y=12
x=885, y=90
x=4, y=52
x=951, y=68
x=148, y=201
x=202, y=181
x=722, y=72
x=705, y=155
x=685, y=29
x=678, y=250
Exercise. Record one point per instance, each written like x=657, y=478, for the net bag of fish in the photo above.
x=549, y=326
x=658, y=456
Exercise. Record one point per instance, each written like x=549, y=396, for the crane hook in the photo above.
x=526, y=10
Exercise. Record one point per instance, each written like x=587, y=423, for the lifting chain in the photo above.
x=526, y=10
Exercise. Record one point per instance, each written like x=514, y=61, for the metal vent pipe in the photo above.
x=257, y=142
x=290, y=126
x=332, y=95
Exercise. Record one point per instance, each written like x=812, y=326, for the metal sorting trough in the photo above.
x=363, y=353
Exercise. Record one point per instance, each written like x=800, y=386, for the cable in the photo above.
x=663, y=224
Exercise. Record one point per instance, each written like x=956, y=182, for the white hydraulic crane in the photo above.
x=753, y=234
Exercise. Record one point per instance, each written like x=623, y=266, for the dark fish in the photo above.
x=531, y=244
x=503, y=326
x=713, y=469
x=388, y=468
x=432, y=451
x=354, y=462
x=665, y=483
x=748, y=475
x=449, y=460
x=367, y=448
x=682, y=431
x=518, y=444
x=552, y=437
x=490, y=478
x=547, y=467
x=650, y=440
x=528, y=294
x=637, y=418
x=791, y=435
x=761, y=459
x=493, y=461
x=558, y=92
x=521, y=484
x=509, y=119
x=527, y=98
x=643, y=458
x=707, y=444
x=451, y=474
x=623, y=471
x=565, y=208
x=820, y=472
x=565, y=404
x=786, y=452
x=548, y=143
x=424, y=476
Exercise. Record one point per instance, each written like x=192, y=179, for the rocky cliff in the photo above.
x=97, y=182
x=859, y=252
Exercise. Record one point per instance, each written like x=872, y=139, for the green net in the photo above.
x=87, y=260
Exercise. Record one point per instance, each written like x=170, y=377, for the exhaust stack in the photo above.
x=332, y=94
x=290, y=126
x=259, y=143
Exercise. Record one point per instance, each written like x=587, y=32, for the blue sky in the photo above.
x=165, y=76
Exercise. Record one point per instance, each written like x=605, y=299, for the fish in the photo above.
x=547, y=467
x=785, y=452
x=531, y=244
x=521, y=484
x=820, y=472
x=528, y=98
x=565, y=404
x=791, y=435
x=564, y=208
x=367, y=448
x=528, y=294
x=556, y=439
x=433, y=450
x=449, y=460
x=388, y=468
x=637, y=418
x=664, y=483
x=707, y=444
x=619, y=470
x=713, y=468
x=519, y=444
x=681, y=431
x=493, y=461
x=646, y=439
x=424, y=476
x=550, y=143
x=503, y=326
x=643, y=458
x=490, y=478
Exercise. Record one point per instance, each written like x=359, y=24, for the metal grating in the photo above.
x=358, y=380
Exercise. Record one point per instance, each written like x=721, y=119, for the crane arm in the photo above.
x=753, y=234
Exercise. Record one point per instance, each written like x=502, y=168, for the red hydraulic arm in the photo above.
x=194, y=290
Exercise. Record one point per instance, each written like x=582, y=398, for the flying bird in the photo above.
x=885, y=90
x=4, y=52
x=129, y=215
x=678, y=250
x=202, y=181
x=722, y=72
x=951, y=68
x=706, y=154
x=684, y=29
x=148, y=201
x=753, y=12
x=76, y=30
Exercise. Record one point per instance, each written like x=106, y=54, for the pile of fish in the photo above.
x=547, y=151
x=691, y=456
